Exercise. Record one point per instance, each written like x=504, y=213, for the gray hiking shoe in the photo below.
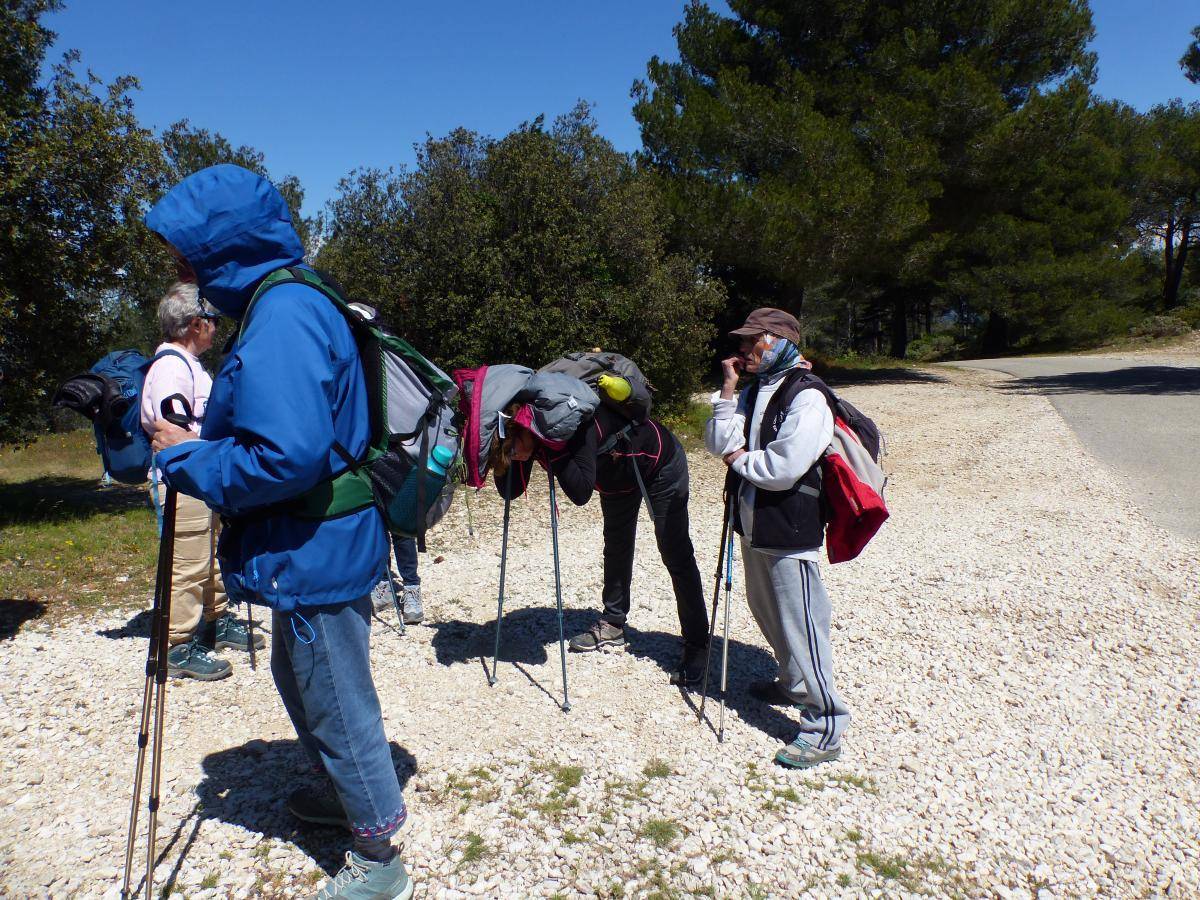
x=599, y=635
x=195, y=660
x=414, y=613
x=381, y=596
x=231, y=633
x=318, y=806
x=800, y=754
x=361, y=879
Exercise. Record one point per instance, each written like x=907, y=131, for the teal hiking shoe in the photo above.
x=194, y=660
x=800, y=754
x=318, y=806
x=361, y=879
x=232, y=634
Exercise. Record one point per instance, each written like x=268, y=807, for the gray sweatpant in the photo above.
x=789, y=602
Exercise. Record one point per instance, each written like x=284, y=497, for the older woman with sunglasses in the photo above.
x=200, y=622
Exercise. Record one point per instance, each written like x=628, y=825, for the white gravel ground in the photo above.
x=1019, y=649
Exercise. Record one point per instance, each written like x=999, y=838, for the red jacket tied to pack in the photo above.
x=853, y=487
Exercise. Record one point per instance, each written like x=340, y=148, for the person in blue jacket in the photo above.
x=290, y=388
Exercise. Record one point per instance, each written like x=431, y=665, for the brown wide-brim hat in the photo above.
x=773, y=321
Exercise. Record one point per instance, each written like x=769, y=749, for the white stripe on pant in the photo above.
x=788, y=601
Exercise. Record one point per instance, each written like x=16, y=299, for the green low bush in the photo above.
x=1160, y=327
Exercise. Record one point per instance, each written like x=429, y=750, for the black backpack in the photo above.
x=589, y=366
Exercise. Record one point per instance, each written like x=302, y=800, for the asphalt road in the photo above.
x=1139, y=415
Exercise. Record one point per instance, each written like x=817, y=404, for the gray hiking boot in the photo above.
x=231, y=633
x=381, y=595
x=599, y=635
x=318, y=806
x=414, y=613
x=195, y=660
x=800, y=754
x=361, y=879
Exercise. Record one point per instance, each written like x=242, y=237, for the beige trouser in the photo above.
x=196, y=587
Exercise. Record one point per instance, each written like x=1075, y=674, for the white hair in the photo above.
x=178, y=307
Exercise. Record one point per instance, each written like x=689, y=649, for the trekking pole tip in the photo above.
x=566, y=707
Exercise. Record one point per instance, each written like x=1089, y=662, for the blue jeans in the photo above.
x=320, y=661
x=406, y=559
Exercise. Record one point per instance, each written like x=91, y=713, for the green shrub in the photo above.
x=1160, y=327
x=929, y=347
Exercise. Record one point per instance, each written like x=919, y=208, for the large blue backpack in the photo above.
x=110, y=395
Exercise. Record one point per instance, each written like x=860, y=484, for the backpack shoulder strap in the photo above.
x=309, y=277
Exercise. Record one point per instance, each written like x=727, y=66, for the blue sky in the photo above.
x=320, y=93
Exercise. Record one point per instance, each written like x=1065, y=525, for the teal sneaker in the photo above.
x=194, y=660
x=361, y=879
x=800, y=754
x=232, y=634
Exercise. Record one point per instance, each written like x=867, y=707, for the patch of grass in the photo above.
x=69, y=543
x=566, y=777
x=210, y=880
x=756, y=892
x=263, y=850
x=569, y=837
x=657, y=768
x=661, y=832
x=225, y=854
x=687, y=421
x=474, y=848
x=314, y=877
x=788, y=794
x=844, y=880
x=910, y=872
x=864, y=783
x=854, y=836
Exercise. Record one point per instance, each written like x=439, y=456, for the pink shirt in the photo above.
x=170, y=376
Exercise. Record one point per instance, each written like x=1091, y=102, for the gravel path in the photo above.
x=1019, y=648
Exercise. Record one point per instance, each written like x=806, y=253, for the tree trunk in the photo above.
x=1175, y=272
x=1168, y=260
x=899, y=326
x=995, y=333
x=929, y=315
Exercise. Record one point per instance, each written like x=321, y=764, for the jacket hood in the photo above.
x=233, y=227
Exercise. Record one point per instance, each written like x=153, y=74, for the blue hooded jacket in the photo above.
x=288, y=390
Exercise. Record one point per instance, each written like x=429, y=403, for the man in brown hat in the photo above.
x=772, y=437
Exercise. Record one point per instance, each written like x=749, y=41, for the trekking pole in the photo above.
x=250, y=631
x=157, y=615
x=387, y=574
x=725, y=637
x=154, y=694
x=562, y=644
x=726, y=525
x=503, y=566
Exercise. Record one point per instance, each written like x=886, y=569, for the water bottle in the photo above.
x=403, y=508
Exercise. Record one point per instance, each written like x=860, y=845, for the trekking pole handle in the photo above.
x=170, y=411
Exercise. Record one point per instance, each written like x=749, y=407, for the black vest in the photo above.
x=791, y=519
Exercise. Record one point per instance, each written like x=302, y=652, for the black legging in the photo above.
x=668, y=490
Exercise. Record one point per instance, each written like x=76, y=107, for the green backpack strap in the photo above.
x=349, y=491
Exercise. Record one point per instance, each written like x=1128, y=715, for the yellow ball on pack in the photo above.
x=616, y=387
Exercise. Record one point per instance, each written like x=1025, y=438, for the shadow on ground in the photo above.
x=529, y=636
x=841, y=377
x=59, y=498
x=248, y=786
x=138, y=626
x=14, y=613
x=1134, y=380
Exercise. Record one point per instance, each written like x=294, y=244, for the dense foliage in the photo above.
x=523, y=249
x=920, y=177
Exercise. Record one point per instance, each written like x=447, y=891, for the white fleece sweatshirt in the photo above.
x=806, y=432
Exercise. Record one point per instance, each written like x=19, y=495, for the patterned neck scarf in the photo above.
x=779, y=357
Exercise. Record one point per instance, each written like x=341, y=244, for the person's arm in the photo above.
x=575, y=466
x=725, y=431
x=287, y=384
x=806, y=432
x=169, y=375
